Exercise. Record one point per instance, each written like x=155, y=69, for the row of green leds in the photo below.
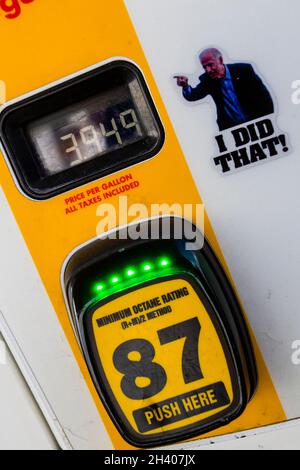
x=132, y=272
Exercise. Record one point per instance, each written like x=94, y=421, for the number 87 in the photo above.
x=155, y=373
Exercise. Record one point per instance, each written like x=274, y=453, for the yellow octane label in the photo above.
x=162, y=358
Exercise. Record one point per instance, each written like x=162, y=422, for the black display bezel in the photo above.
x=22, y=155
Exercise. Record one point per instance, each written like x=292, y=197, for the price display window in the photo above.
x=80, y=130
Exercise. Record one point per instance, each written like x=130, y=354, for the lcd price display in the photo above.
x=92, y=128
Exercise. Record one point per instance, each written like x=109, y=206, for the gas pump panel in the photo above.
x=108, y=132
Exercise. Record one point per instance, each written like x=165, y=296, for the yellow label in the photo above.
x=163, y=360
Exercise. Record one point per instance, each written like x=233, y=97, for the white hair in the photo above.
x=215, y=52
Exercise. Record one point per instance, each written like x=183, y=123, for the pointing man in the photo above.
x=238, y=92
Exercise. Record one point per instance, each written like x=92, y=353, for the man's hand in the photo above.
x=181, y=80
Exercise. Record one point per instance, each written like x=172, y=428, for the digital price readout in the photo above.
x=82, y=129
x=91, y=129
x=165, y=340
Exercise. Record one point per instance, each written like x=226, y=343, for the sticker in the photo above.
x=245, y=108
x=162, y=361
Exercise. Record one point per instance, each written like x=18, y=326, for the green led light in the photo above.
x=130, y=272
x=147, y=267
x=115, y=280
x=165, y=262
x=100, y=287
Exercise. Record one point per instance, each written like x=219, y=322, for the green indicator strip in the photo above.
x=132, y=276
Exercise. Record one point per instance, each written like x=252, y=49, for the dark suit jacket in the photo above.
x=252, y=94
